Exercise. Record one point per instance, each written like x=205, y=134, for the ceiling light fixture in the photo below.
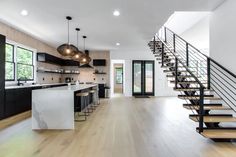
x=24, y=12
x=116, y=13
x=117, y=44
x=78, y=54
x=67, y=49
x=85, y=59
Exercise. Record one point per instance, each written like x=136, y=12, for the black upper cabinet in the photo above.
x=99, y=62
x=47, y=58
x=2, y=74
x=70, y=63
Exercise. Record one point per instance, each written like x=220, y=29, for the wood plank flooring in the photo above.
x=120, y=127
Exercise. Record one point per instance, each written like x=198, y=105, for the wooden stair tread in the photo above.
x=186, y=76
x=219, y=133
x=185, y=82
x=174, y=71
x=187, y=89
x=212, y=107
x=214, y=119
x=190, y=89
x=197, y=98
x=205, y=104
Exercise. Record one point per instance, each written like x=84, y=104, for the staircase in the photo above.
x=208, y=88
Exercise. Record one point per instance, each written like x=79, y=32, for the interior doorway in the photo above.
x=118, y=78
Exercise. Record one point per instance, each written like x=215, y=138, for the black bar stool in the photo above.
x=82, y=107
x=97, y=100
x=93, y=103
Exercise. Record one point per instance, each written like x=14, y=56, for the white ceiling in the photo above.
x=181, y=21
x=138, y=22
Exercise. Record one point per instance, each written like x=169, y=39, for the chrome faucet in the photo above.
x=21, y=79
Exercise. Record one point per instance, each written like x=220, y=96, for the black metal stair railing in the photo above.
x=206, y=71
x=178, y=61
x=223, y=82
x=193, y=58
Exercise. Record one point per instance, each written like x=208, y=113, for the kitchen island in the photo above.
x=53, y=108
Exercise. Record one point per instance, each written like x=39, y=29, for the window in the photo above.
x=19, y=63
x=119, y=75
x=10, y=66
x=25, y=68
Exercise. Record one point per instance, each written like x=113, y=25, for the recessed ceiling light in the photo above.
x=24, y=12
x=117, y=44
x=116, y=13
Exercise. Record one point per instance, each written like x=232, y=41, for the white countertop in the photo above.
x=70, y=88
x=53, y=108
x=30, y=85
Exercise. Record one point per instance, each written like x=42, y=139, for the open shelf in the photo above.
x=54, y=72
x=100, y=73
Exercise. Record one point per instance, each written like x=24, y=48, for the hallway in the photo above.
x=120, y=127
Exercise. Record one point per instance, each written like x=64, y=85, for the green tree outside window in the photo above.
x=25, y=67
x=9, y=66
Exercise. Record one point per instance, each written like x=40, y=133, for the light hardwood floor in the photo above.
x=120, y=127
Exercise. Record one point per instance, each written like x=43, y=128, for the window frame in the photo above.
x=12, y=62
x=24, y=63
x=17, y=45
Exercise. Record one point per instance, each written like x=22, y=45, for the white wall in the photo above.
x=223, y=35
x=191, y=26
x=161, y=87
x=180, y=21
x=198, y=35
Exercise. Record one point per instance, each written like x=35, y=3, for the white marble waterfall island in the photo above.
x=53, y=108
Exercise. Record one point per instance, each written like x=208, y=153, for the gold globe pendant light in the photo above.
x=78, y=53
x=85, y=59
x=67, y=49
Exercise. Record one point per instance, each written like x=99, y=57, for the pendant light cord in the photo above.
x=68, y=32
x=77, y=39
x=84, y=43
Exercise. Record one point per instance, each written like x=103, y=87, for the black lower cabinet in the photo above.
x=20, y=100
x=17, y=101
x=101, y=92
x=10, y=102
x=23, y=98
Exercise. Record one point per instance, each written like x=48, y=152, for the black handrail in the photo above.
x=202, y=53
x=176, y=41
x=185, y=41
x=201, y=98
x=199, y=82
x=232, y=74
x=209, y=59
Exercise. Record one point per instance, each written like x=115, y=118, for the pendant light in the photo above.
x=85, y=59
x=78, y=53
x=67, y=49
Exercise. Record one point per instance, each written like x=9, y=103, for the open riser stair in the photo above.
x=205, y=85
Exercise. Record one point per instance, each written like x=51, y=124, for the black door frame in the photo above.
x=143, y=73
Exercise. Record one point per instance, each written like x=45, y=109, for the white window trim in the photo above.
x=15, y=44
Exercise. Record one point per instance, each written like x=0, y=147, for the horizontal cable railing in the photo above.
x=224, y=83
x=210, y=73
x=204, y=70
x=188, y=54
x=179, y=62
